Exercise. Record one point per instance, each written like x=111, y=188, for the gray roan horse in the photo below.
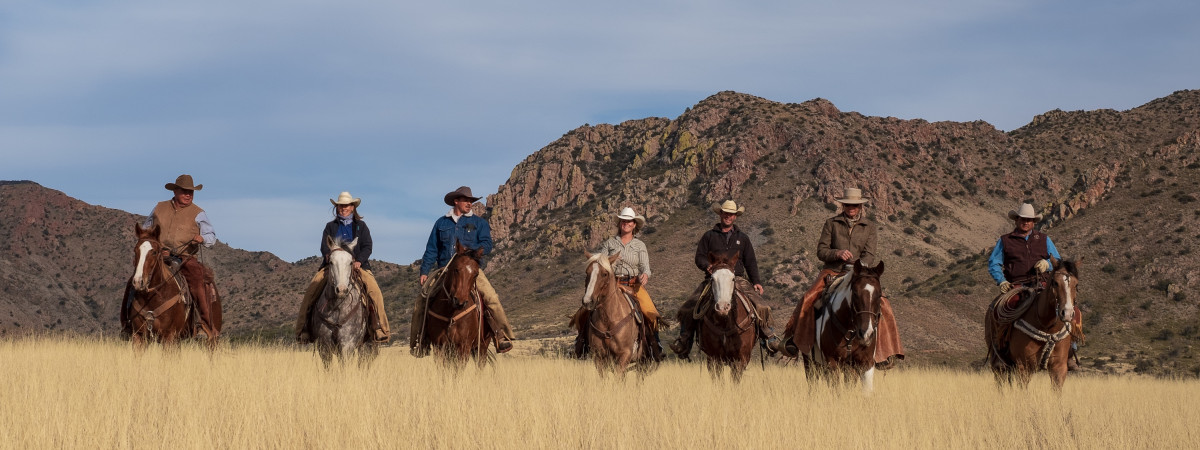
x=846, y=329
x=339, y=319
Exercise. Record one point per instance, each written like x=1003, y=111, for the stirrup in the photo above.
x=503, y=345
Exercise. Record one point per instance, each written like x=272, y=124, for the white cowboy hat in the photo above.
x=1026, y=212
x=852, y=196
x=730, y=207
x=628, y=214
x=346, y=199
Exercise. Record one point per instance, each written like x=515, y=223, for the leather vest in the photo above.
x=177, y=226
x=1020, y=254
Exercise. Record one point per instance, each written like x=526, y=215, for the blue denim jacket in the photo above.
x=473, y=231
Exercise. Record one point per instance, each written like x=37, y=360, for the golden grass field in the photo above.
x=58, y=392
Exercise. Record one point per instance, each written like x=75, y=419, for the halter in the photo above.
x=150, y=317
x=355, y=282
x=848, y=332
x=611, y=332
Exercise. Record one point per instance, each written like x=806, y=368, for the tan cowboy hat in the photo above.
x=184, y=182
x=628, y=214
x=346, y=199
x=852, y=196
x=462, y=191
x=730, y=207
x=1025, y=211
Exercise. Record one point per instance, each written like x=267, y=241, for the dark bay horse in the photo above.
x=1042, y=329
x=846, y=329
x=611, y=322
x=454, y=322
x=727, y=329
x=340, y=316
x=160, y=307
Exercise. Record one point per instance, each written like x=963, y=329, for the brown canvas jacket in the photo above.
x=838, y=235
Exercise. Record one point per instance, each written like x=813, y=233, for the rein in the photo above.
x=1048, y=340
x=848, y=332
x=149, y=317
x=611, y=332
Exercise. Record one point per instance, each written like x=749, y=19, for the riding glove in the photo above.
x=1005, y=286
x=1042, y=266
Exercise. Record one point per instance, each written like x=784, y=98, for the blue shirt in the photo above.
x=470, y=230
x=996, y=261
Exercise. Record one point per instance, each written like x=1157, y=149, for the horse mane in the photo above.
x=1070, y=266
x=601, y=258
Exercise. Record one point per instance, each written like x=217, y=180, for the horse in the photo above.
x=160, y=308
x=728, y=328
x=340, y=315
x=846, y=327
x=1046, y=331
x=613, y=322
x=454, y=323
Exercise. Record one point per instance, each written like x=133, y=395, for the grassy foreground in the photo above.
x=79, y=393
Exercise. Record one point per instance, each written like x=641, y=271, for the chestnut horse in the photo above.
x=612, y=320
x=340, y=316
x=454, y=322
x=846, y=329
x=727, y=329
x=1042, y=331
x=160, y=308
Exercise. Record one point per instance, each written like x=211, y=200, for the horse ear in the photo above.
x=736, y=257
x=879, y=268
x=477, y=253
x=858, y=267
x=352, y=244
x=587, y=255
x=329, y=241
x=612, y=259
x=459, y=248
x=155, y=231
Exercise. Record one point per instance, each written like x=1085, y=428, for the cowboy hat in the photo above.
x=628, y=214
x=184, y=182
x=462, y=191
x=1026, y=212
x=729, y=207
x=852, y=196
x=346, y=199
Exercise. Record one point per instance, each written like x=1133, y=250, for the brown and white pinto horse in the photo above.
x=611, y=321
x=340, y=315
x=454, y=322
x=847, y=328
x=1042, y=331
x=727, y=329
x=160, y=309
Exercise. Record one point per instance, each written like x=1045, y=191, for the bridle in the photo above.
x=849, y=333
x=154, y=257
x=331, y=292
x=593, y=305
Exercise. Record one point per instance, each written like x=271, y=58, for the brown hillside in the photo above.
x=1118, y=189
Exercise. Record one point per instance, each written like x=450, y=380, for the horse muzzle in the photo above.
x=1067, y=315
x=722, y=308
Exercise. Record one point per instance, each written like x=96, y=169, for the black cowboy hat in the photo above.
x=462, y=191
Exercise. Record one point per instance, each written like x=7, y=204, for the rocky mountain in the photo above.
x=1118, y=189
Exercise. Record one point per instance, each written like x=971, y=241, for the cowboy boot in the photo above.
x=656, y=348
x=770, y=341
x=785, y=346
x=1073, y=358
x=682, y=346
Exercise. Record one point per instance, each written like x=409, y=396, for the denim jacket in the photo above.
x=472, y=231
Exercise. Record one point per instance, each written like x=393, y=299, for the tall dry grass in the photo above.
x=78, y=393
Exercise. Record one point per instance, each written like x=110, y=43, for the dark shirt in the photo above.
x=717, y=242
x=359, y=230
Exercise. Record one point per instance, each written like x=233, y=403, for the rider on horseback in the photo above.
x=632, y=270
x=845, y=238
x=1020, y=256
x=724, y=238
x=347, y=225
x=462, y=226
x=184, y=227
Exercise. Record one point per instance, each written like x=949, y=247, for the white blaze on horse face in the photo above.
x=339, y=270
x=1067, y=312
x=722, y=286
x=871, y=317
x=139, y=274
x=591, y=286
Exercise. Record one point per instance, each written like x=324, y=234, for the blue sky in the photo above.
x=276, y=106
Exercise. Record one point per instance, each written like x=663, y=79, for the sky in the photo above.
x=277, y=106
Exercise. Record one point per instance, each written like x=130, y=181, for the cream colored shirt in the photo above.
x=635, y=260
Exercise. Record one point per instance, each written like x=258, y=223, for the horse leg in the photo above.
x=868, y=380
